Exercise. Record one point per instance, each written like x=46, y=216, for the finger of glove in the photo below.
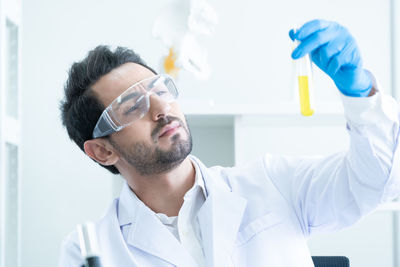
x=316, y=57
x=311, y=27
x=314, y=41
x=346, y=57
x=291, y=34
x=329, y=50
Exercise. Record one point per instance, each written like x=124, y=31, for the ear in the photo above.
x=100, y=151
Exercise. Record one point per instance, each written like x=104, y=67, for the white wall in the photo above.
x=213, y=139
x=62, y=187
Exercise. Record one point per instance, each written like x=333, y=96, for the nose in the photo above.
x=158, y=107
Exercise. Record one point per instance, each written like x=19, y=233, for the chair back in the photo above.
x=331, y=261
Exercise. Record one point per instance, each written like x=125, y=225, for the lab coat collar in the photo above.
x=115, y=252
x=148, y=233
x=128, y=206
x=129, y=203
x=199, y=181
x=219, y=217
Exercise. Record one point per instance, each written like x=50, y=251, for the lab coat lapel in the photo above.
x=151, y=236
x=114, y=251
x=219, y=218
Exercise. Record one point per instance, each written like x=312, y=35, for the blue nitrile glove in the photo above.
x=334, y=51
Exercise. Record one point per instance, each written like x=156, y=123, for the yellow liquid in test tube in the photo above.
x=304, y=94
x=304, y=82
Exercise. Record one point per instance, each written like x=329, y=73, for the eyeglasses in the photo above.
x=134, y=103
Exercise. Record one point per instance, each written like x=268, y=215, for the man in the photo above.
x=173, y=211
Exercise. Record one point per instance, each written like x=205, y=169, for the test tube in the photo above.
x=89, y=245
x=304, y=83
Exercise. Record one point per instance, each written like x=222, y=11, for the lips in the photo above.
x=169, y=128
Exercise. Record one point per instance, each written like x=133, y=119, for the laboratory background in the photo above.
x=237, y=89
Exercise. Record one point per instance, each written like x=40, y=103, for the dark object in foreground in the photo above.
x=331, y=261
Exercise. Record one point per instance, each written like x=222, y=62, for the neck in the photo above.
x=162, y=193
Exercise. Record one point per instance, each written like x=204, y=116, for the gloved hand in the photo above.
x=334, y=51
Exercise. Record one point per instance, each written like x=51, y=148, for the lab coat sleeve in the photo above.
x=70, y=255
x=329, y=193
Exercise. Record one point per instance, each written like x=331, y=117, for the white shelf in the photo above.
x=211, y=107
x=210, y=120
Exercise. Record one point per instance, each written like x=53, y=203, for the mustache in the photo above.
x=161, y=123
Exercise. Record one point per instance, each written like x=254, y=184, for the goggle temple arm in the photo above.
x=105, y=125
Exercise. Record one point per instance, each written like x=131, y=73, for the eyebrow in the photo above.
x=135, y=94
x=130, y=96
x=132, y=108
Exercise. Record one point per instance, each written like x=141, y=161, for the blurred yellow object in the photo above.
x=304, y=93
x=170, y=63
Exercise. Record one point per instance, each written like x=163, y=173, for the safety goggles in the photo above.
x=134, y=103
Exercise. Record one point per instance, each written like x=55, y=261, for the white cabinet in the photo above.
x=9, y=133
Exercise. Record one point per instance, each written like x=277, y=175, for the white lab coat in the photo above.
x=263, y=213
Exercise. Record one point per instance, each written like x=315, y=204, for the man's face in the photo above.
x=157, y=142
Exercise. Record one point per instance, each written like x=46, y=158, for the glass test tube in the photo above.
x=304, y=83
x=89, y=245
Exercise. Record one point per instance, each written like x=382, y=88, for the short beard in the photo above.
x=148, y=160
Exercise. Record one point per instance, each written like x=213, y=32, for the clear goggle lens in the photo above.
x=134, y=103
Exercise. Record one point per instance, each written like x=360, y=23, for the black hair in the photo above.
x=80, y=108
